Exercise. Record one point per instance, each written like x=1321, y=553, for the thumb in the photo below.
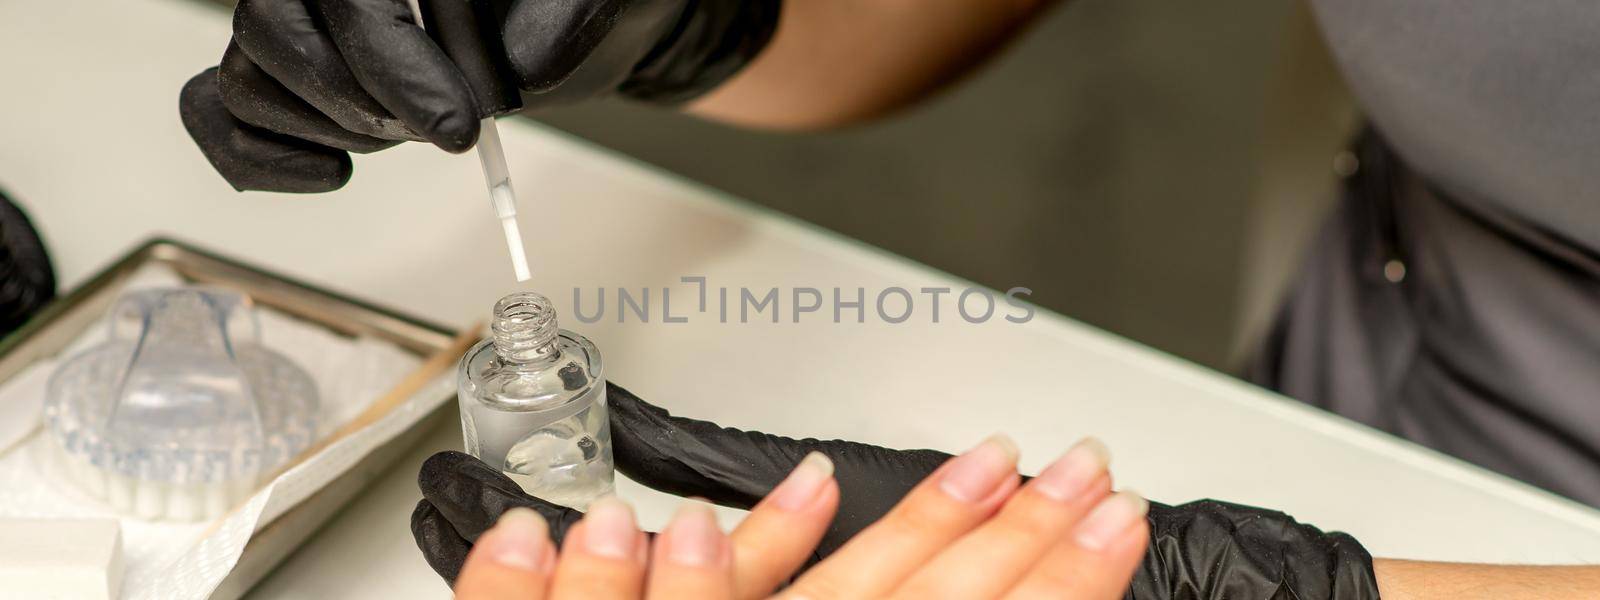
x=461, y=499
x=733, y=467
x=471, y=496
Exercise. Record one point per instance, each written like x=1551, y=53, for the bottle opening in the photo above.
x=524, y=328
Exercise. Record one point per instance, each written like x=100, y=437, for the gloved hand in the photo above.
x=303, y=82
x=27, y=280
x=1201, y=550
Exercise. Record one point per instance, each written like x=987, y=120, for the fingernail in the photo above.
x=519, y=539
x=609, y=530
x=1071, y=474
x=804, y=483
x=975, y=474
x=693, y=537
x=1113, y=516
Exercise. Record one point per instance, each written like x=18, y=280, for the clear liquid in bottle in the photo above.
x=533, y=404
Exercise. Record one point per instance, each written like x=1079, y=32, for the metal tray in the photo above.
x=59, y=323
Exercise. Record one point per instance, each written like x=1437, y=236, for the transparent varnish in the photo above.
x=533, y=403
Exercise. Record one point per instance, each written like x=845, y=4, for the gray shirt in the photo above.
x=1488, y=347
x=1496, y=103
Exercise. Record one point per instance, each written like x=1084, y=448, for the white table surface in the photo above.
x=91, y=143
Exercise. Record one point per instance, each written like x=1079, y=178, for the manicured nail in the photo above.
x=693, y=537
x=1071, y=474
x=975, y=474
x=609, y=529
x=1113, y=516
x=804, y=483
x=519, y=540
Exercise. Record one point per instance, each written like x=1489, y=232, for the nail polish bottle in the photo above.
x=533, y=404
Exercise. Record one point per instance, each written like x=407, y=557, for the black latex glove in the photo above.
x=27, y=281
x=303, y=82
x=1201, y=550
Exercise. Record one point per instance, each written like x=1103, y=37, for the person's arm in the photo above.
x=301, y=86
x=837, y=62
x=1418, y=580
x=1200, y=550
x=1204, y=550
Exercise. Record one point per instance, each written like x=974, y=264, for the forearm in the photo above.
x=1416, y=580
x=836, y=62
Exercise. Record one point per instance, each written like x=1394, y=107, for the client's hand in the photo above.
x=1204, y=550
x=967, y=531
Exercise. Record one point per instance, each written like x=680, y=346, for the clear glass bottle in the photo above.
x=533, y=403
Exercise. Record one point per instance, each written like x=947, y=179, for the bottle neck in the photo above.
x=525, y=329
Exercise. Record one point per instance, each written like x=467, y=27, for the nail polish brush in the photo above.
x=469, y=33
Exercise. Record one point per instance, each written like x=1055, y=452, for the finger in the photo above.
x=443, y=548
x=956, y=498
x=692, y=558
x=1002, y=550
x=1096, y=561
x=547, y=41
x=396, y=62
x=569, y=51
x=472, y=495
x=289, y=45
x=255, y=98
x=512, y=561
x=781, y=532
x=604, y=557
x=731, y=467
x=256, y=159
